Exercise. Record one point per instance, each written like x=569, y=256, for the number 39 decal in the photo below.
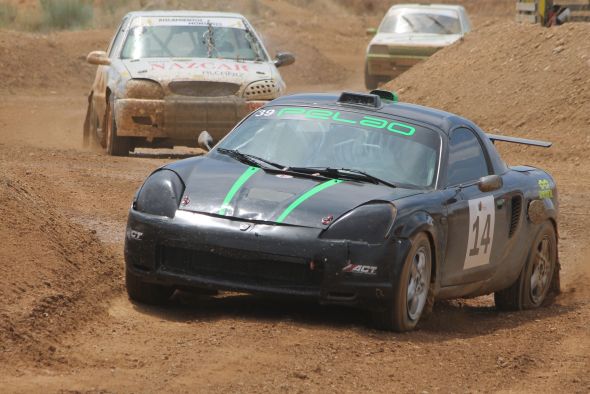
x=482, y=216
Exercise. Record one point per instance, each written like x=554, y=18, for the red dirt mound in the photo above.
x=43, y=62
x=510, y=78
x=51, y=270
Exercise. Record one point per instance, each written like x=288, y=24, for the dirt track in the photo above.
x=66, y=324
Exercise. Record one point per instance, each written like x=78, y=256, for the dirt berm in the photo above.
x=52, y=270
x=67, y=325
x=515, y=79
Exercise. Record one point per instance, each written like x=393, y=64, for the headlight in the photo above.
x=370, y=223
x=144, y=89
x=266, y=89
x=160, y=194
x=379, y=49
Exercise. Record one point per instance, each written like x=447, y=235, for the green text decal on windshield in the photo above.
x=337, y=116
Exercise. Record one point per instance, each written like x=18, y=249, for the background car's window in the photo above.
x=203, y=39
x=116, y=43
x=467, y=161
x=421, y=21
x=311, y=137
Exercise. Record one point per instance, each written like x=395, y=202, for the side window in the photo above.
x=116, y=43
x=467, y=161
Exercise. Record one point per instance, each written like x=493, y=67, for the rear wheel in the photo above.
x=116, y=146
x=147, y=293
x=371, y=82
x=91, y=138
x=411, y=292
x=535, y=281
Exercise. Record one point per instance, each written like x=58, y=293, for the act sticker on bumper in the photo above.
x=360, y=269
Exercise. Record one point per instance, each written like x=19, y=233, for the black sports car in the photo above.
x=352, y=199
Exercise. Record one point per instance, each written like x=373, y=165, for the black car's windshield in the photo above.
x=421, y=21
x=302, y=137
x=180, y=37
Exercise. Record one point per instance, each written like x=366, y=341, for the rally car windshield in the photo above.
x=301, y=137
x=221, y=38
x=406, y=21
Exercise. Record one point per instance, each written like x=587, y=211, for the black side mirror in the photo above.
x=490, y=183
x=205, y=140
x=284, y=59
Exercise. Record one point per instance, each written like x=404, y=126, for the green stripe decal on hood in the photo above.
x=235, y=187
x=316, y=189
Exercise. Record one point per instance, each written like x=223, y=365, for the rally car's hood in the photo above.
x=229, y=188
x=165, y=69
x=415, y=39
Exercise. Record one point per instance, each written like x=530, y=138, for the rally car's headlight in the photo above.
x=377, y=49
x=370, y=223
x=160, y=194
x=144, y=89
x=266, y=89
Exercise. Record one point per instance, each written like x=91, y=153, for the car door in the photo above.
x=477, y=221
x=99, y=86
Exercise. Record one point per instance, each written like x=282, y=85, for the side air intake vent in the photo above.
x=516, y=205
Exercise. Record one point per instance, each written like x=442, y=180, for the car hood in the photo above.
x=266, y=196
x=165, y=69
x=415, y=39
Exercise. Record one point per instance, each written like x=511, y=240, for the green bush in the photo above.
x=7, y=14
x=66, y=14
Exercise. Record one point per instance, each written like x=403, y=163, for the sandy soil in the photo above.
x=66, y=324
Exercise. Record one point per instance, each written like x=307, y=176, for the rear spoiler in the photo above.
x=515, y=140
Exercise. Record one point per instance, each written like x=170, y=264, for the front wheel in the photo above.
x=371, y=82
x=411, y=291
x=116, y=146
x=535, y=281
x=147, y=293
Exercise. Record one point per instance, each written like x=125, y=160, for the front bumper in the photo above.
x=180, y=118
x=204, y=251
x=391, y=65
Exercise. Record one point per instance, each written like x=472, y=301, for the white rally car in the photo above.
x=168, y=75
x=410, y=33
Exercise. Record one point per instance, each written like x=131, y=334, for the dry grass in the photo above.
x=8, y=13
x=66, y=14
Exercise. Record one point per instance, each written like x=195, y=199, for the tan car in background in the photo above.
x=408, y=34
x=169, y=75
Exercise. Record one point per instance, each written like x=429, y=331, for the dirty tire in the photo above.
x=91, y=138
x=116, y=146
x=146, y=293
x=535, y=281
x=371, y=82
x=404, y=310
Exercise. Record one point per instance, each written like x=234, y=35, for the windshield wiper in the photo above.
x=249, y=159
x=342, y=172
x=254, y=45
x=409, y=22
x=445, y=29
